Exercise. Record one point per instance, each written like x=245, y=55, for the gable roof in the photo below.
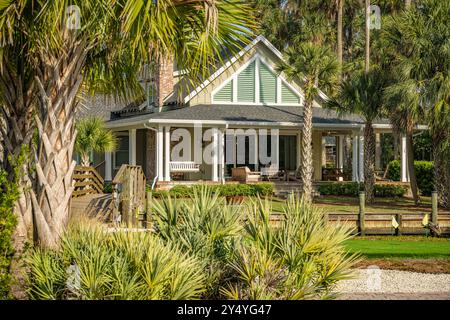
x=232, y=60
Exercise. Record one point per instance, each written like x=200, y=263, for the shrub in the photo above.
x=95, y=264
x=352, y=189
x=235, y=189
x=246, y=257
x=9, y=194
x=424, y=174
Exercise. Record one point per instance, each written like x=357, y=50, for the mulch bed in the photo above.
x=413, y=265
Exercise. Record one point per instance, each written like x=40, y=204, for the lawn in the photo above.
x=401, y=247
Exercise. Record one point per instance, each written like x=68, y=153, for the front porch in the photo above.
x=169, y=153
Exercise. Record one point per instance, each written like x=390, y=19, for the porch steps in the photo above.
x=283, y=189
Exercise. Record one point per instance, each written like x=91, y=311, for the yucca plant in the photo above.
x=113, y=265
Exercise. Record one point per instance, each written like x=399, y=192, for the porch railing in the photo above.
x=86, y=181
x=184, y=166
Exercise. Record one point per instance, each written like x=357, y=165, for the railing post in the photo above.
x=434, y=207
x=148, y=207
x=399, y=218
x=362, y=213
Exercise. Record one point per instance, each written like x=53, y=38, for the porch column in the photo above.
x=159, y=153
x=222, y=155
x=275, y=147
x=215, y=159
x=132, y=147
x=167, y=153
x=256, y=151
x=299, y=149
x=355, y=139
x=404, y=161
x=361, y=158
x=340, y=150
x=108, y=166
x=378, y=151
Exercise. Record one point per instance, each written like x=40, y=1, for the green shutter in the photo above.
x=246, y=84
x=287, y=95
x=267, y=85
x=225, y=94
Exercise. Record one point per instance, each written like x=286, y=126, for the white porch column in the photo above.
x=361, y=158
x=215, y=159
x=166, y=153
x=275, y=147
x=256, y=151
x=377, y=151
x=341, y=152
x=108, y=166
x=159, y=153
x=299, y=149
x=404, y=161
x=132, y=147
x=222, y=155
x=355, y=141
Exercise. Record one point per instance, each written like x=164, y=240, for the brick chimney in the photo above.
x=164, y=79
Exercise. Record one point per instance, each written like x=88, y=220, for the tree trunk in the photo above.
x=411, y=168
x=367, y=32
x=307, y=157
x=369, y=162
x=58, y=82
x=85, y=161
x=339, y=35
x=442, y=169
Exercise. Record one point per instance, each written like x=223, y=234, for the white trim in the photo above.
x=361, y=158
x=404, y=160
x=355, y=160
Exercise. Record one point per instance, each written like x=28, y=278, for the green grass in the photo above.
x=400, y=247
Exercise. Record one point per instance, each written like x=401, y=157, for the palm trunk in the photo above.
x=442, y=169
x=58, y=83
x=16, y=131
x=369, y=162
x=339, y=34
x=307, y=159
x=367, y=40
x=85, y=161
x=411, y=168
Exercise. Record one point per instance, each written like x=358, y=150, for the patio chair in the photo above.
x=270, y=173
x=243, y=174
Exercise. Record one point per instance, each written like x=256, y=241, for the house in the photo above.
x=241, y=99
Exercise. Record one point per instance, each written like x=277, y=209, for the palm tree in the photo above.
x=405, y=109
x=93, y=137
x=362, y=94
x=420, y=36
x=49, y=57
x=316, y=67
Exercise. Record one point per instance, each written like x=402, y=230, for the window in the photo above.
x=121, y=155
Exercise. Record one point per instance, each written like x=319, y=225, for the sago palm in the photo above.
x=362, y=94
x=93, y=137
x=316, y=68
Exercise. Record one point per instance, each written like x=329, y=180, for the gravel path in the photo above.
x=373, y=283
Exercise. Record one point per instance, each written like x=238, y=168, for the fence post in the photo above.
x=362, y=213
x=399, y=221
x=148, y=207
x=434, y=207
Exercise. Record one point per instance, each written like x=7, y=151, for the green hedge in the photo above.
x=352, y=189
x=424, y=174
x=249, y=190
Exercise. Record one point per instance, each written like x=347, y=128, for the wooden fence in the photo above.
x=129, y=193
x=86, y=181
